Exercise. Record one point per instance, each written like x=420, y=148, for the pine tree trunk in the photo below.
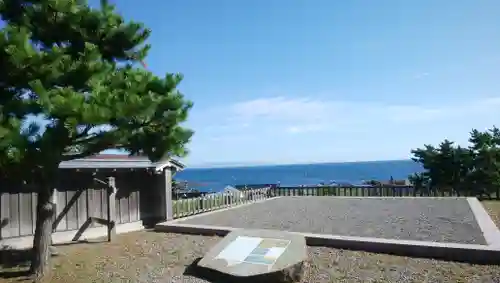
x=43, y=234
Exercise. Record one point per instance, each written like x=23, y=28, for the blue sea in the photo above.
x=215, y=179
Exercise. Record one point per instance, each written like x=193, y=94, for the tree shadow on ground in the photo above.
x=210, y=275
x=79, y=242
x=195, y=271
x=14, y=263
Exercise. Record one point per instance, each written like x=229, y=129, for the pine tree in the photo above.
x=485, y=148
x=70, y=89
x=473, y=170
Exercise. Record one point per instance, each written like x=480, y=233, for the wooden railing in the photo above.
x=192, y=206
x=374, y=191
x=350, y=191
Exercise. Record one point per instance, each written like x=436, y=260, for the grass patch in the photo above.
x=493, y=209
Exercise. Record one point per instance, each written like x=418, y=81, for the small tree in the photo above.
x=427, y=157
x=70, y=90
x=419, y=181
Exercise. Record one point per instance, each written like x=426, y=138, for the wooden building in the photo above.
x=143, y=196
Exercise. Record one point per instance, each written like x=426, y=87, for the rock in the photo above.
x=53, y=251
x=263, y=256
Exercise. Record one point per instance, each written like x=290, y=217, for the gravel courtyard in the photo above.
x=145, y=257
x=424, y=219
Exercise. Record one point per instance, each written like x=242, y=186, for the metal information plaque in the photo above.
x=253, y=250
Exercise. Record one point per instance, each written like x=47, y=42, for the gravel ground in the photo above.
x=150, y=257
x=437, y=220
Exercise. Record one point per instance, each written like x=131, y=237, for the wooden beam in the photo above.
x=111, y=208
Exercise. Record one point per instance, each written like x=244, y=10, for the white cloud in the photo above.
x=267, y=129
x=297, y=115
x=279, y=108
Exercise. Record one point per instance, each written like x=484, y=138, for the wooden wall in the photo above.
x=78, y=197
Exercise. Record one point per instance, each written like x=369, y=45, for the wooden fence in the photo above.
x=357, y=191
x=372, y=191
x=192, y=206
x=78, y=198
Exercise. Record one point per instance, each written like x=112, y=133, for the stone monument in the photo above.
x=256, y=256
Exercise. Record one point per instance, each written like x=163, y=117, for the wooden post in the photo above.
x=53, y=251
x=111, y=208
x=167, y=191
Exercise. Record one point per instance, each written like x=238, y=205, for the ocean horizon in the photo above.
x=216, y=178
x=213, y=165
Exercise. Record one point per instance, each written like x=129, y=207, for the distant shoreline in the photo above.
x=226, y=166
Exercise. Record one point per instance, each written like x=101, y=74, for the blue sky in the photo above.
x=289, y=81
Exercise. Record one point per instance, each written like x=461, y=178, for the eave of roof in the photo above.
x=115, y=161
